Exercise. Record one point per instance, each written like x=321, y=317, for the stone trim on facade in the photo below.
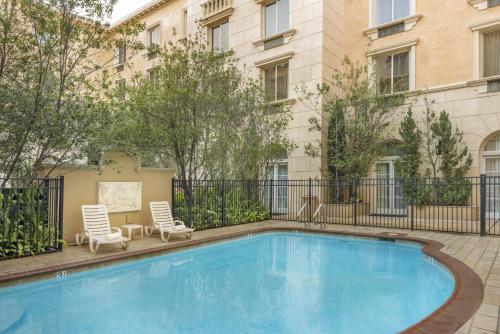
x=287, y=37
x=274, y=60
x=409, y=22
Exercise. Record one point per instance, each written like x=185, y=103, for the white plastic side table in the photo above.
x=132, y=228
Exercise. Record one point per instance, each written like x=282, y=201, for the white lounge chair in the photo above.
x=98, y=230
x=164, y=222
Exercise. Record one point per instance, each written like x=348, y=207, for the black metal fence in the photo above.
x=31, y=216
x=464, y=205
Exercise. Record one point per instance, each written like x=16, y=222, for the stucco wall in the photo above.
x=81, y=187
x=444, y=52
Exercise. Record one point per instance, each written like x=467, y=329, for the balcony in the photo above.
x=215, y=11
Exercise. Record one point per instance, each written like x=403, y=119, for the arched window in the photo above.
x=491, y=157
x=493, y=145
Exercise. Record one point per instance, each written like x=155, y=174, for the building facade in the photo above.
x=447, y=51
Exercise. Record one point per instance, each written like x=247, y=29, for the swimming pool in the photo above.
x=281, y=282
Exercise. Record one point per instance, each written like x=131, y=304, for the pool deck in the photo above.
x=479, y=253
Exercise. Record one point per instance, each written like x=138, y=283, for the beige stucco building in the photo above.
x=447, y=51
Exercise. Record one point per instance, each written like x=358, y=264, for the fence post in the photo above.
x=61, y=213
x=190, y=203
x=413, y=189
x=354, y=200
x=482, y=204
x=271, y=199
x=173, y=198
x=309, y=198
x=223, y=204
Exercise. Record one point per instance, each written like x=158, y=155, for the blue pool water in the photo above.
x=268, y=283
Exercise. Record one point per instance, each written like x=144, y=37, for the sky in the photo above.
x=125, y=7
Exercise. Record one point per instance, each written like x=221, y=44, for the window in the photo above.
x=276, y=17
x=493, y=3
x=276, y=82
x=154, y=37
x=153, y=75
x=120, y=55
x=491, y=52
x=220, y=37
x=493, y=86
x=390, y=10
x=121, y=89
x=392, y=73
x=184, y=22
x=493, y=145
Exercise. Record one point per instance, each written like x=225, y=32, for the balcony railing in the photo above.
x=213, y=7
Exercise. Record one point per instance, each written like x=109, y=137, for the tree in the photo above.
x=358, y=119
x=446, y=154
x=447, y=159
x=411, y=141
x=409, y=164
x=204, y=114
x=50, y=106
x=454, y=154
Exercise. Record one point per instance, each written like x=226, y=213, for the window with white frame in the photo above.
x=390, y=10
x=154, y=37
x=491, y=53
x=220, y=37
x=276, y=17
x=392, y=72
x=120, y=55
x=276, y=82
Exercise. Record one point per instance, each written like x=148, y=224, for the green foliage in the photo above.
x=411, y=140
x=443, y=191
x=203, y=113
x=50, y=106
x=455, y=157
x=24, y=226
x=409, y=164
x=240, y=208
x=447, y=158
x=357, y=118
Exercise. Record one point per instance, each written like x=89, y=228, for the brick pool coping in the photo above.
x=462, y=305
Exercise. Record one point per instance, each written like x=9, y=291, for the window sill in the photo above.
x=284, y=102
x=482, y=85
x=263, y=2
x=118, y=67
x=482, y=81
x=274, y=60
x=409, y=22
x=480, y=4
x=404, y=94
x=217, y=17
x=151, y=54
x=228, y=53
x=286, y=35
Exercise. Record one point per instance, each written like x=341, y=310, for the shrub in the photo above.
x=24, y=222
x=240, y=207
